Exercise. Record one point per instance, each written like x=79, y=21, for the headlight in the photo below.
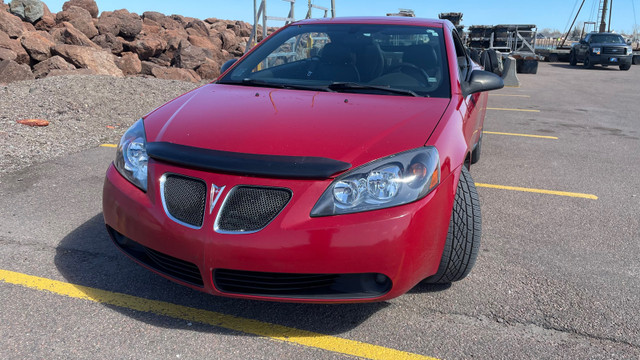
x=395, y=180
x=596, y=51
x=629, y=50
x=131, y=156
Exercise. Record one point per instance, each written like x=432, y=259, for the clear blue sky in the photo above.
x=552, y=14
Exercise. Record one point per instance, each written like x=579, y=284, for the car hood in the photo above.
x=354, y=128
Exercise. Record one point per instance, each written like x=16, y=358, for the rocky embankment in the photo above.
x=36, y=43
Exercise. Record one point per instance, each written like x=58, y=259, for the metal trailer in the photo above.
x=515, y=40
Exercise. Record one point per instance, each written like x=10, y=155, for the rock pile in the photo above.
x=36, y=43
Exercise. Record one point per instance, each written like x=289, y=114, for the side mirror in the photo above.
x=480, y=81
x=227, y=65
x=628, y=41
x=583, y=42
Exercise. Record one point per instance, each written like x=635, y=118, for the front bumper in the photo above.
x=605, y=59
x=374, y=255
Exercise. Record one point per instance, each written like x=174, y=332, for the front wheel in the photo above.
x=587, y=62
x=625, y=67
x=572, y=59
x=463, y=239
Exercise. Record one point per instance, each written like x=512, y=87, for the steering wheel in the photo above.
x=413, y=71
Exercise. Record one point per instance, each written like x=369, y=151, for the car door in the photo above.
x=583, y=48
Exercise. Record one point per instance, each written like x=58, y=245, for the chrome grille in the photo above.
x=250, y=209
x=184, y=199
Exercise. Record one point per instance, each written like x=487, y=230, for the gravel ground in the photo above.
x=83, y=111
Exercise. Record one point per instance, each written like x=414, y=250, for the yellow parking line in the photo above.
x=109, y=145
x=539, y=191
x=524, y=96
x=506, y=109
x=248, y=326
x=524, y=135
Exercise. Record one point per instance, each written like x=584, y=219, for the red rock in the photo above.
x=148, y=29
x=209, y=70
x=199, y=27
x=162, y=20
x=110, y=42
x=37, y=46
x=43, y=69
x=80, y=19
x=229, y=39
x=148, y=46
x=191, y=57
x=46, y=23
x=203, y=42
x=33, y=122
x=14, y=45
x=11, y=71
x=175, y=74
x=129, y=63
x=102, y=62
x=120, y=22
x=11, y=25
x=147, y=67
x=6, y=54
x=88, y=5
x=72, y=36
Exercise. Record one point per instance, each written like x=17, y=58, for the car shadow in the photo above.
x=580, y=67
x=87, y=257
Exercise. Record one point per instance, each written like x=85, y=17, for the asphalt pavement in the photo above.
x=558, y=276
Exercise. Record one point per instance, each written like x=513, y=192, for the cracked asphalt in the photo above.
x=557, y=277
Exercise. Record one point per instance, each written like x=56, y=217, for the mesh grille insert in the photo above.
x=251, y=208
x=185, y=198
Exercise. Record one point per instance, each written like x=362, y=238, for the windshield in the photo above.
x=389, y=60
x=607, y=39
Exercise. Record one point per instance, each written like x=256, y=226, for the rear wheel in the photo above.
x=463, y=239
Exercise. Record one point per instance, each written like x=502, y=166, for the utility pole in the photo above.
x=603, y=21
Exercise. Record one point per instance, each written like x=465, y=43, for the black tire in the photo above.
x=625, y=67
x=463, y=239
x=553, y=57
x=587, y=63
x=572, y=59
x=475, y=154
x=636, y=60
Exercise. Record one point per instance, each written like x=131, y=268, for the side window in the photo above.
x=461, y=54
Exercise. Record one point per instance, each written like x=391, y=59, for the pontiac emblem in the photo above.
x=214, y=196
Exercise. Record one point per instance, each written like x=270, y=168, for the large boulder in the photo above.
x=27, y=10
x=89, y=5
x=209, y=70
x=37, y=46
x=11, y=71
x=148, y=46
x=120, y=22
x=14, y=46
x=197, y=27
x=162, y=20
x=111, y=42
x=205, y=42
x=190, y=57
x=175, y=74
x=80, y=19
x=229, y=39
x=6, y=54
x=46, y=23
x=100, y=61
x=129, y=63
x=68, y=34
x=11, y=25
x=43, y=69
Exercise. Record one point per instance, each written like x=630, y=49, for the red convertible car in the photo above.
x=328, y=164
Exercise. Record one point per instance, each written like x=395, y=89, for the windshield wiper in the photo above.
x=341, y=86
x=262, y=83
